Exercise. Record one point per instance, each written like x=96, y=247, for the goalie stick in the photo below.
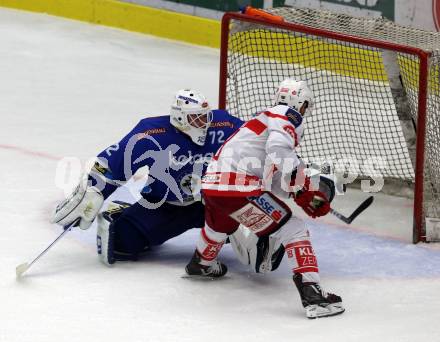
x=20, y=269
x=364, y=205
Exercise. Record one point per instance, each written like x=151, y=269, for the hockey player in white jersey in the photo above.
x=247, y=184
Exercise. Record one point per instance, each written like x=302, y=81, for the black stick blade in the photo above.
x=364, y=205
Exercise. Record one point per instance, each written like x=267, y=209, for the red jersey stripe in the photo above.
x=207, y=239
x=230, y=178
x=276, y=116
x=255, y=126
x=298, y=244
x=305, y=269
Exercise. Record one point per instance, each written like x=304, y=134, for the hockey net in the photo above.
x=376, y=87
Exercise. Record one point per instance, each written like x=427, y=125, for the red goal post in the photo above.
x=343, y=58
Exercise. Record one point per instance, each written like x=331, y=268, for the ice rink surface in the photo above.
x=70, y=89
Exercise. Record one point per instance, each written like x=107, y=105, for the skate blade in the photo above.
x=201, y=277
x=316, y=311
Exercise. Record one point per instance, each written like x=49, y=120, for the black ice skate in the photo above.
x=194, y=268
x=317, y=302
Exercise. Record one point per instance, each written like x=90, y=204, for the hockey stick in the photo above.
x=364, y=205
x=20, y=269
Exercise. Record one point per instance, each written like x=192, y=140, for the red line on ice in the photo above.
x=29, y=152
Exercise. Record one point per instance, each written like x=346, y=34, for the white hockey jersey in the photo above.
x=248, y=162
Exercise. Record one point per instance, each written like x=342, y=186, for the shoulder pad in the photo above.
x=294, y=117
x=154, y=125
x=221, y=119
x=220, y=111
x=155, y=120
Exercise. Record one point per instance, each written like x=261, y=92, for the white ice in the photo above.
x=71, y=89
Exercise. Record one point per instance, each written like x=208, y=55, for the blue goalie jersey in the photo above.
x=175, y=163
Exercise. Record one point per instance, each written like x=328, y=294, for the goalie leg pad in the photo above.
x=242, y=240
x=161, y=224
x=267, y=254
x=109, y=238
x=263, y=254
x=105, y=240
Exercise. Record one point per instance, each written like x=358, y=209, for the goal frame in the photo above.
x=422, y=95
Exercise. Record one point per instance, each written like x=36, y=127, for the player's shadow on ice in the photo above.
x=178, y=255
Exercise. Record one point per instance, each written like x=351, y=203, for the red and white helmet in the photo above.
x=191, y=114
x=295, y=94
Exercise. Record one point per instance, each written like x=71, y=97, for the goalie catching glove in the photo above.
x=316, y=203
x=84, y=203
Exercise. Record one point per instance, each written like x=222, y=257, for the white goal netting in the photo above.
x=366, y=96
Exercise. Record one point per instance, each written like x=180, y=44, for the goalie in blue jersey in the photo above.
x=176, y=150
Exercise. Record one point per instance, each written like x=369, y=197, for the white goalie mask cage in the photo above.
x=294, y=94
x=191, y=114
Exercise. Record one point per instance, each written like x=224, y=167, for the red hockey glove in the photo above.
x=314, y=203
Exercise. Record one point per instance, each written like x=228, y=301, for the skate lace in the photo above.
x=331, y=297
x=318, y=289
x=322, y=292
x=215, y=268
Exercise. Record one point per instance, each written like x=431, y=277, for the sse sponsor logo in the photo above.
x=269, y=206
